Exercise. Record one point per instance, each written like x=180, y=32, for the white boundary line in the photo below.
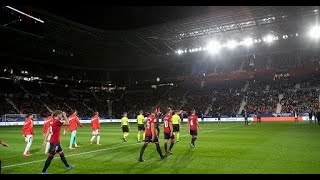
x=106, y=149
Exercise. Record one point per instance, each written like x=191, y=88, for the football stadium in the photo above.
x=159, y=90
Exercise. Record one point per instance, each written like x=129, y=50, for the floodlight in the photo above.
x=213, y=47
x=315, y=32
x=231, y=44
x=248, y=41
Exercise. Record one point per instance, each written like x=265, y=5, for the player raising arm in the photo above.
x=55, y=146
x=193, y=125
x=151, y=135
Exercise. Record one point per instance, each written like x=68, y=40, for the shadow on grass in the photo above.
x=35, y=150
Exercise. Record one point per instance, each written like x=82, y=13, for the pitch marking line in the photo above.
x=106, y=149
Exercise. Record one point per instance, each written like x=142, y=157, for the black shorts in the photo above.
x=193, y=132
x=125, y=128
x=141, y=127
x=167, y=136
x=176, y=127
x=148, y=139
x=55, y=148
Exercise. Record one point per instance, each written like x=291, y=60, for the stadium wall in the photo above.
x=236, y=119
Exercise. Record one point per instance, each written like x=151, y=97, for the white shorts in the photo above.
x=49, y=137
x=95, y=132
x=28, y=138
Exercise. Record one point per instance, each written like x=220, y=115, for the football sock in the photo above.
x=142, y=150
x=72, y=139
x=166, y=147
x=63, y=159
x=138, y=136
x=159, y=149
x=178, y=136
x=98, y=139
x=144, y=135
x=171, y=145
x=47, y=164
x=75, y=140
x=93, y=137
x=28, y=146
x=193, y=140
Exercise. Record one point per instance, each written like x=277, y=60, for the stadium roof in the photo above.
x=119, y=37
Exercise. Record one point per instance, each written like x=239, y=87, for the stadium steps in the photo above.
x=280, y=97
x=87, y=107
x=185, y=94
x=45, y=105
x=208, y=109
x=13, y=105
x=67, y=106
x=122, y=95
x=267, y=87
x=109, y=103
x=94, y=95
x=185, y=101
x=23, y=89
x=243, y=104
x=245, y=88
x=243, y=63
x=279, y=106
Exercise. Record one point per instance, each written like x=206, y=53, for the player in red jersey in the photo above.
x=5, y=145
x=55, y=146
x=151, y=135
x=193, y=125
x=168, y=131
x=73, y=126
x=46, y=128
x=95, y=125
x=28, y=133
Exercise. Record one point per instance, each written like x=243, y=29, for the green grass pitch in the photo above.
x=227, y=148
